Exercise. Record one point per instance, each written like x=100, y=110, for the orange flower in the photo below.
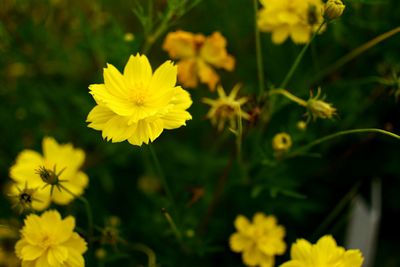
x=198, y=55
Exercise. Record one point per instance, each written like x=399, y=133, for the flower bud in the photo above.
x=320, y=109
x=333, y=9
x=281, y=142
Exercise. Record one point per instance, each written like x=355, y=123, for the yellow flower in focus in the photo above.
x=66, y=159
x=281, y=142
x=297, y=19
x=198, y=55
x=259, y=240
x=324, y=253
x=138, y=104
x=226, y=108
x=48, y=240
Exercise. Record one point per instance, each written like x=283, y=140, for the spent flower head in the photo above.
x=324, y=253
x=55, y=175
x=318, y=108
x=259, y=241
x=226, y=108
x=333, y=9
x=48, y=240
x=138, y=105
x=23, y=198
x=198, y=55
x=297, y=19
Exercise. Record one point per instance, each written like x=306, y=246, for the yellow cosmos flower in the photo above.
x=48, y=241
x=138, y=104
x=63, y=158
x=295, y=18
x=259, y=240
x=198, y=55
x=324, y=253
x=226, y=108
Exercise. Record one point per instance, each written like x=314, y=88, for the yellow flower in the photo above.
x=295, y=18
x=48, y=240
x=318, y=108
x=334, y=9
x=281, y=142
x=138, y=104
x=62, y=157
x=324, y=253
x=226, y=108
x=198, y=55
x=259, y=240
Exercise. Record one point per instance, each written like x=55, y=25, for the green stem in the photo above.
x=152, y=261
x=356, y=52
x=172, y=225
x=290, y=96
x=341, y=133
x=161, y=175
x=239, y=137
x=88, y=209
x=338, y=208
x=300, y=57
x=260, y=66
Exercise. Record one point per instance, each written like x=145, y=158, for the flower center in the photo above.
x=138, y=98
x=46, y=242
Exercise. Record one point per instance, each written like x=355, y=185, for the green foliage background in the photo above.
x=50, y=51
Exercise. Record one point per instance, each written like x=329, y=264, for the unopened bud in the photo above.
x=333, y=9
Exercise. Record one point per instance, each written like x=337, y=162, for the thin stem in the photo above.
x=239, y=137
x=300, y=57
x=342, y=133
x=172, y=225
x=161, y=175
x=338, y=208
x=88, y=209
x=356, y=52
x=290, y=96
x=152, y=261
x=260, y=66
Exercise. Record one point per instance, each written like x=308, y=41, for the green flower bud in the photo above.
x=333, y=9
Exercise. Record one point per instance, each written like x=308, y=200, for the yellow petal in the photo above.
x=118, y=130
x=138, y=71
x=187, y=73
x=146, y=130
x=164, y=77
x=77, y=243
x=57, y=255
x=181, y=44
x=99, y=116
x=115, y=82
x=207, y=75
x=30, y=252
x=300, y=33
x=252, y=257
x=352, y=258
x=301, y=250
x=280, y=34
x=121, y=106
x=241, y=223
x=239, y=242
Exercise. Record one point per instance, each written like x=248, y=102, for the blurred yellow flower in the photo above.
x=198, y=55
x=138, y=104
x=8, y=237
x=48, y=240
x=259, y=240
x=324, y=253
x=281, y=142
x=226, y=108
x=334, y=9
x=296, y=19
x=63, y=158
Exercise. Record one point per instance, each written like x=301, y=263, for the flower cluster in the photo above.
x=259, y=241
x=138, y=104
x=48, y=240
x=297, y=19
x=197, y=55
x=54, y=176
